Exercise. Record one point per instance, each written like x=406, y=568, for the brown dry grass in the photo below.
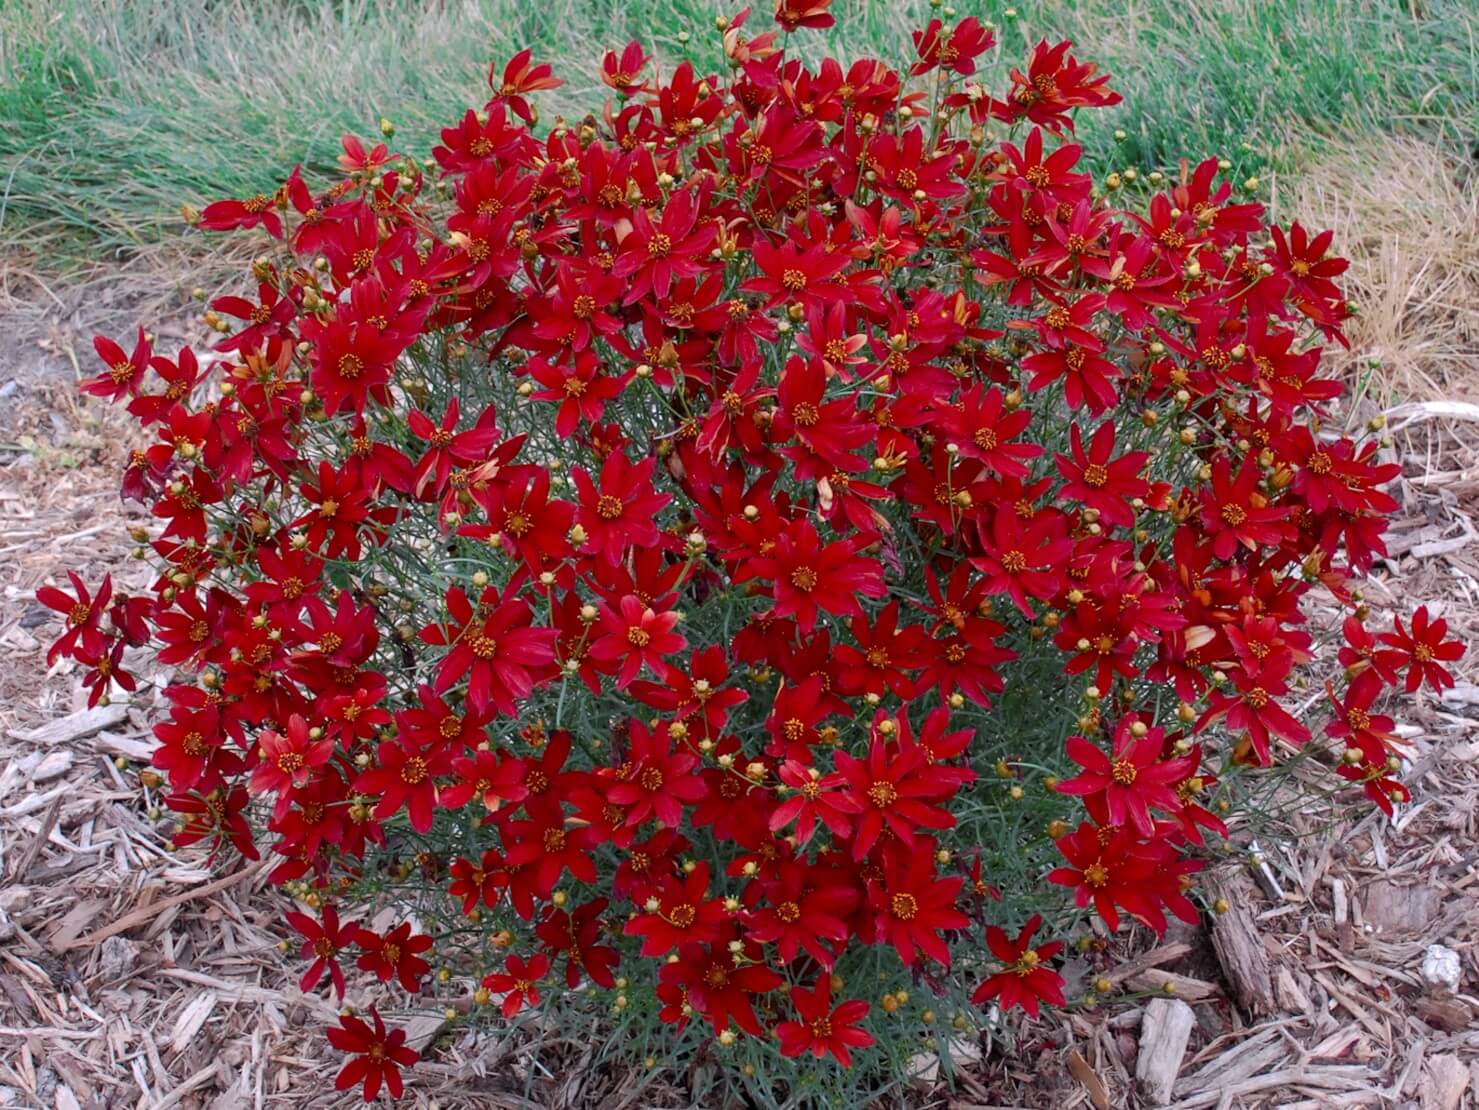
x=1406, y=212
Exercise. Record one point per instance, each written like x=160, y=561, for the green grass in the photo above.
x=114, y=112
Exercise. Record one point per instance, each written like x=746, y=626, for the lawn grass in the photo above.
x=114, y=112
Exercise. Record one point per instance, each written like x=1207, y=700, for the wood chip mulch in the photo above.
x=132, y=975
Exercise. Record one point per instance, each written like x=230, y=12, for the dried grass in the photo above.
x=1406, y=212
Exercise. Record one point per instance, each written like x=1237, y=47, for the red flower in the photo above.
x=395, y=955
x=808, y=576
x=620, y=73
x=679, y=911
x=656, y=781
x=378, y=1055
x=322, y=942
x=969, y=39
x=494, y=646
x=1234, y=513
x=827, y=433
x=581, y=389
x=654, y=255
x=519, y=983
x=447, y=447
x=1024, y=558
x=491, y=776
x=1102, y=483
x=621, y=512
x=821, y=1028
x=720, y=980
x=814, y=796
x=1026, y=982
x=405, y=778
x=478, y=883
x=793, y=14
x=697, y=694
x=632, y=633
x=288, y=761
x=983, y=428
x=914, y=905
x=897, y=786
x=574, y=934
x=84, y=615
x=1423, y=651
x=797, y=272
x=124, y=373
x=231, y=215
x=1252, y=707
x=1130, y=781
x=808, y=907
x=521, y=76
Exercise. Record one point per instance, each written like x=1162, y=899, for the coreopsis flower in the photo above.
x=83, y=612
x=231, y=215
x=490, y=776
x=396, y=955
x=1026, y=981
x=521, y=75
x=897, y=787
x=1422, y=651
x=823, y=1028
x=1099, y=480
x=323, y=940
x=721, y=980
x=1056, y=83
x=287, y=760
x=635, y=636
x=794, y=14
x=619, y=510
x=679, y=911
x=621, y=72
x=809, y=576
x=1235, y=513
x=657, y=780
x=494, y=645
x=478, y=883
x=404, y=777
x=1130, y=779
x=958, y=51
x=377, y=1055
x=806, y=909
x=574, y=936
x=1252, y=706
x=914, y=905
x=814, y=797
x=125, y=372
x=518, y=983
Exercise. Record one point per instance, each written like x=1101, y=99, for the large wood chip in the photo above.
x=1164, y=1032
x=1445, y=1012
x=1239, y=948
x=75, y=726
x=1168, y=982
x=1444, y=1081
x=1084, y=1072
x=195, y=1014
x=1397, y=908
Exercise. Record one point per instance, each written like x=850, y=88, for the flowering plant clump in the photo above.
x=703, y=562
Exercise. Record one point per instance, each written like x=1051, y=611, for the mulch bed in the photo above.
x=134, y=975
